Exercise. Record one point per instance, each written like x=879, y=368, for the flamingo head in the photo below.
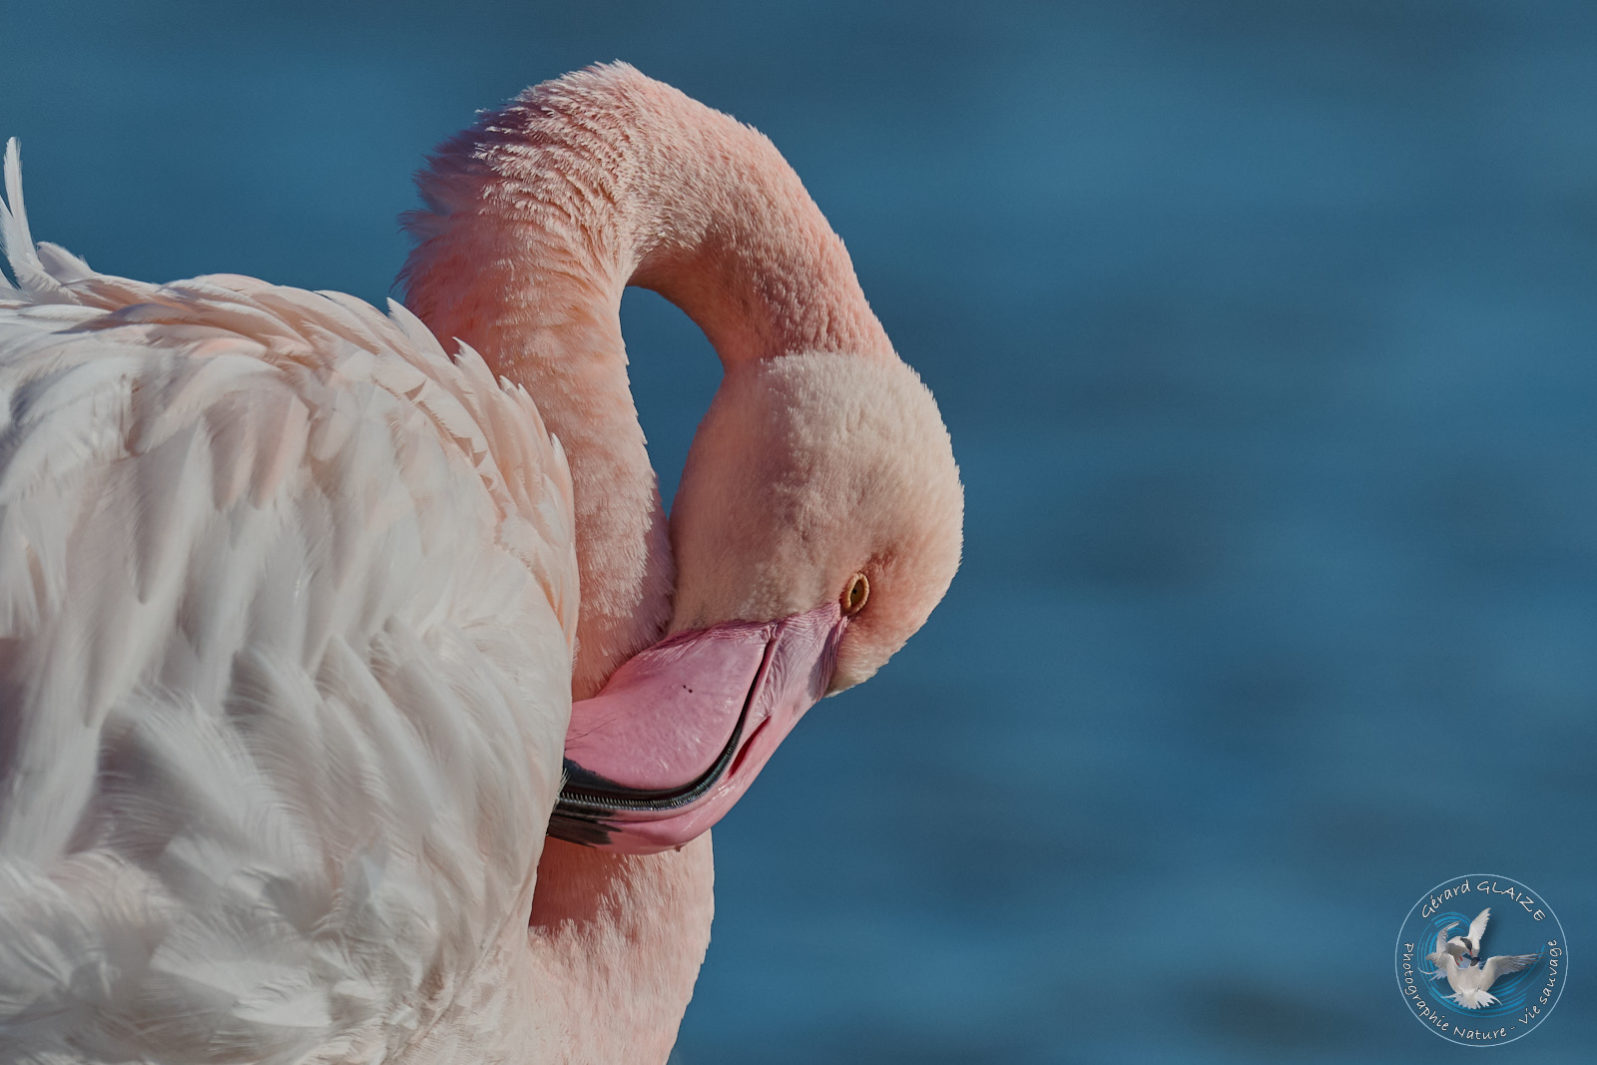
x=816, y=479
x=817, y=524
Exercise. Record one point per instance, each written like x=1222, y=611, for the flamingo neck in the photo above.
x=537, y=218
x=541, y=214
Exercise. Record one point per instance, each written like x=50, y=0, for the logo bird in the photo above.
x=1456, y=958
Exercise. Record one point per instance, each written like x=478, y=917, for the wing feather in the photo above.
x=1441, y=937
x=287, y=604
x=1477, y=927
x=15, y=239
x=1503, y=964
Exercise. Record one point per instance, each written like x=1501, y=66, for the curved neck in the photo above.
x=537, y=219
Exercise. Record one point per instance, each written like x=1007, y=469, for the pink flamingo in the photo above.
x=290, y=623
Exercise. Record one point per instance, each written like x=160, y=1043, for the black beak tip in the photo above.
x=578, y=828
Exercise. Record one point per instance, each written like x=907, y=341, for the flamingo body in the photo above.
x=308, y=587
x=294, y=600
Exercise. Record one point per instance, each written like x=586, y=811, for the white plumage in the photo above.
x=1471, y=982
x=288, y=606
x=1471, y=944
x=287, y=598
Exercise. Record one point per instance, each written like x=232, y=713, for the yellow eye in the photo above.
x=854, y=596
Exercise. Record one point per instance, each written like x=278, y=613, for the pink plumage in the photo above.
x=295, y=600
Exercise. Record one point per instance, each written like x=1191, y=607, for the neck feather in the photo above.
x=537, y=219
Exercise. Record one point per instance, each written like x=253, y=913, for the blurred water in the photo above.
x=1265, y=335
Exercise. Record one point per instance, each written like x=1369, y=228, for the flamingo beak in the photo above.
x=679, y=732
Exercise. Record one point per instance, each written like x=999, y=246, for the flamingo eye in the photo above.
x=854, y=596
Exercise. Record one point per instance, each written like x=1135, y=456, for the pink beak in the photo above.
x=682, y=728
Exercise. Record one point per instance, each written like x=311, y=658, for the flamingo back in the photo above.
x=287, y=604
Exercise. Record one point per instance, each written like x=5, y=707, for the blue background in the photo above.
x=1267, y=335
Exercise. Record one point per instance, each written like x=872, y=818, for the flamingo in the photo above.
x=357, y=700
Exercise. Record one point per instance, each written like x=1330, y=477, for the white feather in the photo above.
x=287, y=602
